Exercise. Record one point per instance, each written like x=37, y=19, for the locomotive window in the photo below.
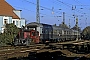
x=33, y=33
x=37, y=33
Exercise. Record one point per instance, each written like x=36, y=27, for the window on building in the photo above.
x=13, y=22
x=5, y=21
x=17, y=23
x=20, y=23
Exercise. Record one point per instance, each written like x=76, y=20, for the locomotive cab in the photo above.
x=27, y=37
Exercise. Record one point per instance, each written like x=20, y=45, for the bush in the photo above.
x=9, y=34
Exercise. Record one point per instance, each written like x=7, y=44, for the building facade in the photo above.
x=9, y=15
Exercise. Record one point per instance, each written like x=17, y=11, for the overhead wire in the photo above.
x=35, y=11
x=83, y=8
x=47, y=9
x=66, y=14
x=40, y=5
x=55, y=2
x=69, y=5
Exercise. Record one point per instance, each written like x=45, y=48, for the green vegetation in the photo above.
x=86, y=33
x=10, y=32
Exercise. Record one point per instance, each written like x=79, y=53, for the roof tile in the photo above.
x=7, y=10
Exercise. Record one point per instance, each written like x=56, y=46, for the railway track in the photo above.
x=5, y=50
x=35, y=46
x=11, y=50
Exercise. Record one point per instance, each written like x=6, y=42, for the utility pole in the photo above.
x=37, y=13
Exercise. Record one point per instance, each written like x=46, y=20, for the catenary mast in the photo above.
x=37, y=13
x=63, y=17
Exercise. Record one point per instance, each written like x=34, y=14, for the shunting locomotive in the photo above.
x=26, y=37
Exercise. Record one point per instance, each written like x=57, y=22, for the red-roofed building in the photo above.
x=9, y=15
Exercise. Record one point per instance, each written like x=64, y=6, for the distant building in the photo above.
x=9, y=15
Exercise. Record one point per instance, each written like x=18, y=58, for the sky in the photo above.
x=51, y=11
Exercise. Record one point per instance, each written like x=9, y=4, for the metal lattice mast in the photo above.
x=69, y=23
x=63, y=17
x=77, y=27
x=37, y=13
